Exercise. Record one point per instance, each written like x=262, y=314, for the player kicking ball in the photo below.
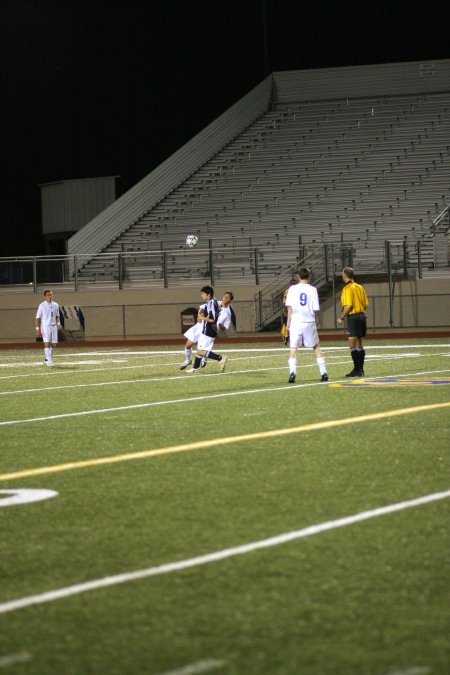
x=302, y=302
x=208, y=314
x=225, y=319
x=192, y=335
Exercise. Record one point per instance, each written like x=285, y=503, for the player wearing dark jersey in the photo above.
x=208, y=314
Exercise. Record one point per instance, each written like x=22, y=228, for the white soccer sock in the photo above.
x=292, y=365
x=321, y=363
x=188, y=353
x=47, y=354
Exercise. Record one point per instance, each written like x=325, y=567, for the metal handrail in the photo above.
x=442, y=222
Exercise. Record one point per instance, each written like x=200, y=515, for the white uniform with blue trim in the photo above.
x=304, y=301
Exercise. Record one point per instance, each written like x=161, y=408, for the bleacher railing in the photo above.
x=326, y=262
x=269, y=266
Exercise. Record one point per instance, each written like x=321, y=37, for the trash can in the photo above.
x=188, y=318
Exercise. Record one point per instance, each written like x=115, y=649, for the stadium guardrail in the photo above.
x=269, y=266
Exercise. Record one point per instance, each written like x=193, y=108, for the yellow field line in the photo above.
x=200, y=445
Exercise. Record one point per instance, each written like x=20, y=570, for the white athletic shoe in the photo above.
x=223, y=363
x=204, y=362
x=193, y=371
x=185, y=364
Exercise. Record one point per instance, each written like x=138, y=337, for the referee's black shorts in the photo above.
x=357, y=325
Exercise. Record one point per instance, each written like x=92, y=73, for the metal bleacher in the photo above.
x=358, y=170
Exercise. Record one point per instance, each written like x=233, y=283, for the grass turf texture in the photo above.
x=370, y=598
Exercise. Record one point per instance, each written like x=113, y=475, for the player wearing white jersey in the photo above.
x=226, y=316
x=47, y=325
x=302, y=302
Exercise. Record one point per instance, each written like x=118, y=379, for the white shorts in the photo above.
x=303, y=334
x=205, y=343
x=49, y=334
x=194, y=332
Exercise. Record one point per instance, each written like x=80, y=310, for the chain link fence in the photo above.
x=146, y=320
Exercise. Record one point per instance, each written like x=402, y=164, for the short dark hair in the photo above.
x=348, y=271
x=47, y=290
x=303, y=273
x=230, y=294
x=208, y=289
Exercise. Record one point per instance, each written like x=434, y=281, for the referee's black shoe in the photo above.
x=355, y=373
x=291, y=378
x=324, y=378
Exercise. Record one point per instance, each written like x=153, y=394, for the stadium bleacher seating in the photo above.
x=358, y=170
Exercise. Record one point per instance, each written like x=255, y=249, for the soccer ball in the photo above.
x=191, y=240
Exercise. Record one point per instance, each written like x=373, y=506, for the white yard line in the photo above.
x=185, y=377
x=172, y=352
x=280, y=350
x=24, y=496
x=216, y=556
x=246, y=392
x=11, y=659
x=136, y=406
x=204, y=666
x=54, y=372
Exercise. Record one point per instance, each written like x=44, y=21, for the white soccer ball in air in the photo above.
x=191, y=240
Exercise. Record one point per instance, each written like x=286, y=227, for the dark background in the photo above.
x=96, y=88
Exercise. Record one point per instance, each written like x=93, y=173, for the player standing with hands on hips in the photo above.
x=302, y=302
x=47, y=325
x=354, y=302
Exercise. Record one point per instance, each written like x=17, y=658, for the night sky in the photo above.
x=96, y=88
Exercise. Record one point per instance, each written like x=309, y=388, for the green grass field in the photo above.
x=153, y=466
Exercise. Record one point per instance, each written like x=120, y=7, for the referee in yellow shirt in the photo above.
x=354, y=302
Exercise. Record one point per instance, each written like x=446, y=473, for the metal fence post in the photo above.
x=419, y=259
x=325, y=260
x=256, y=254
x=34, y=275
x=75, y=273
x=405, y=258
x=120, y=270
x=164, y=266
x=260, y=309
x=211, y=262
x=387, y=248
x=333, y=281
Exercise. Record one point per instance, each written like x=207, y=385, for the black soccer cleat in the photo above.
x=355, y=373
x=291, y=378
x=324, y=378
